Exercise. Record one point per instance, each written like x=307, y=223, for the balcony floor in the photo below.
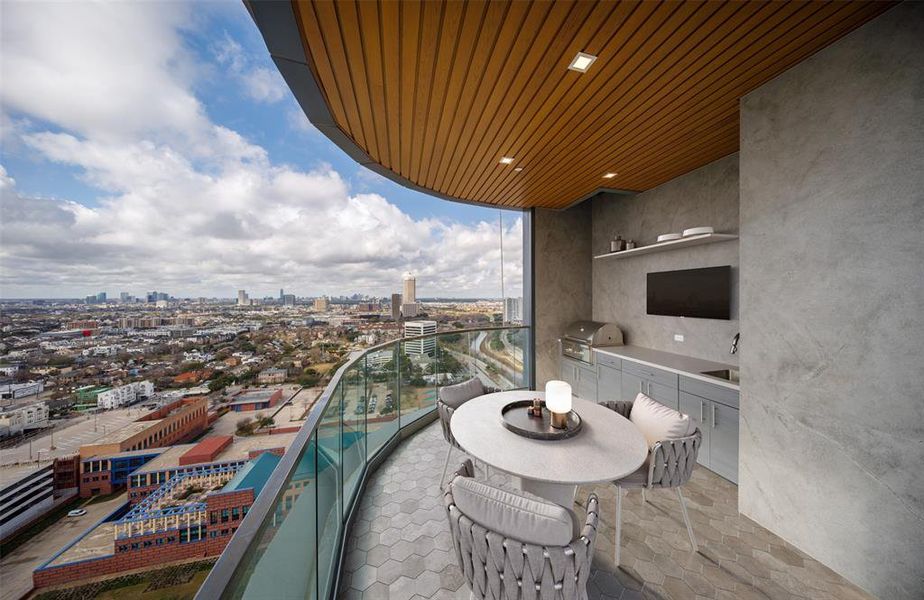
x=400, y=547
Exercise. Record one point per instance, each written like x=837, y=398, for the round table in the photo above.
x=607, y=448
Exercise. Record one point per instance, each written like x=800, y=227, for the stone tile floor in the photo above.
x=400, y=549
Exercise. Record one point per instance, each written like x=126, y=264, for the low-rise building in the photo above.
x=124, y=395
x=256, y=400
x=14, y=421
x=272, y=375
x=21, y=390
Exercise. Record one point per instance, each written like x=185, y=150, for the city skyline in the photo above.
x=201, y=175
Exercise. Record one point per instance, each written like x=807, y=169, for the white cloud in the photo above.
x=260, y=83
x=187, y=205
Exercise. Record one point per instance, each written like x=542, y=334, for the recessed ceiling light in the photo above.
x=581, y=62
x=506, y=160
x=610, y=175
x=517, y=169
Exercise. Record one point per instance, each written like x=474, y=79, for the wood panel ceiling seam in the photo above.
x=373, y=77
x=455, y=86
x=419, y=132
x=422, y=141
x=647, y=46
x=492, y=151
x=391, y=77
x=480, y=128
x=711, y=77
x=602, y=119
x=454, y=134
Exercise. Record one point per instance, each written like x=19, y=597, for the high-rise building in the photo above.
x=288, y=299
x=242, y=298
x=396, y=307
x=124, y=297
x=101, y=297
x=151, y=297
x=513, y=310
x=410, y=289
x=420, y=347
x=321, y=304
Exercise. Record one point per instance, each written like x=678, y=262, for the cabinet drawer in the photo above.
x=651, y=374
x=703, y=389
x=610, y=361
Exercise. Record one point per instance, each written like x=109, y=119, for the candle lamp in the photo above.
x=558, y=401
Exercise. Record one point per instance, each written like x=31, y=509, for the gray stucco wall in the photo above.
x=706, y=196
x=563, y=281
x=832, y=305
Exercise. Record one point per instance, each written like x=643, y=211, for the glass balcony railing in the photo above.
x=290, y=543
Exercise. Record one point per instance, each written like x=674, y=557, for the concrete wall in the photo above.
x=832, y=305
x=706, y=196
x=562, y=281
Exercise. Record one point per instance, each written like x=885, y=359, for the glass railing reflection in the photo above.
x=295, y=550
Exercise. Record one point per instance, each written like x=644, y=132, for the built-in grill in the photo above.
x=581, y=337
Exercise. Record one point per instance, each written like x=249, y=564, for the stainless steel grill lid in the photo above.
x=594, y=333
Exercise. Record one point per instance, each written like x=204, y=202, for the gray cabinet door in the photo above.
x=586, y=384
x=723, y=441
x=630, y=385
x=699, y=411
x=569, y=372
x=664, y=394
x=609, y=384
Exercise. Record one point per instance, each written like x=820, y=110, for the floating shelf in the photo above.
x=693, y=240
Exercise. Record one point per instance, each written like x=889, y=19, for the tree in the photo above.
x=245, y=426
x=309, y=378
x=266, y=422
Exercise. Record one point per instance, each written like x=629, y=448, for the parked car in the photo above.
x=77, y=512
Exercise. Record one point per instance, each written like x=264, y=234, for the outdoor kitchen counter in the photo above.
x=668, y=361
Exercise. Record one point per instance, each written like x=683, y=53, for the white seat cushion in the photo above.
x=456, y=395
x=512, y=515
x=658, y=422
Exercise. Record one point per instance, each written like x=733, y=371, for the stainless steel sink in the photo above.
x=726, y=374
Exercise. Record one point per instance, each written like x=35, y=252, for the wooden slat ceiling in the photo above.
x=438, y=91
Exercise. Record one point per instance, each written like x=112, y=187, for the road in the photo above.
x=16, y=568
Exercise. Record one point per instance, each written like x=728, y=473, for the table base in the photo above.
x=559, y=493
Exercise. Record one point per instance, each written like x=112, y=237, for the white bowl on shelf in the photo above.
x=697, y=231
x=667, y=237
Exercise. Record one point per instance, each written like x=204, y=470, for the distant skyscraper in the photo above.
x=410, y=289
x=513, y=310
x=101, y=297
x=151, y=297
x=282, y=295
x=242, y=299
x=123, y=296
x=419, y=347
x=396, y=307
x=288, y=299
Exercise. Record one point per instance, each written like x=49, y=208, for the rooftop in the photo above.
x=123, y=433
x=239, y=449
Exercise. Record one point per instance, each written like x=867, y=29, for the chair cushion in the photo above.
x=658, y=422
x=458, y=394
x=514, y=516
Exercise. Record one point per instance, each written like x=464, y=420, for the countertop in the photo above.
x=675, y=363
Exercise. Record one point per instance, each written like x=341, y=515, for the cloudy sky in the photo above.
x=151, y=145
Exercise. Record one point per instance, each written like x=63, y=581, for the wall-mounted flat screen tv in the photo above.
x=700, y=293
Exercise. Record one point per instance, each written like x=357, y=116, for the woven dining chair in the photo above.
x=669, y=465
x=449, y=399
x=513, y=547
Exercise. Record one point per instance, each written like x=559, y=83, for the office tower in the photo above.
x=513, y=310
x=321, y=304
x=420, y=347
x=151, y=297
x=90, y=300
x=101, y=297
x=288, y=299
x=396, y=307
x=162, y=296
x=242, y=299
x=123, y=297
x=282, y=295
x=410, y=289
